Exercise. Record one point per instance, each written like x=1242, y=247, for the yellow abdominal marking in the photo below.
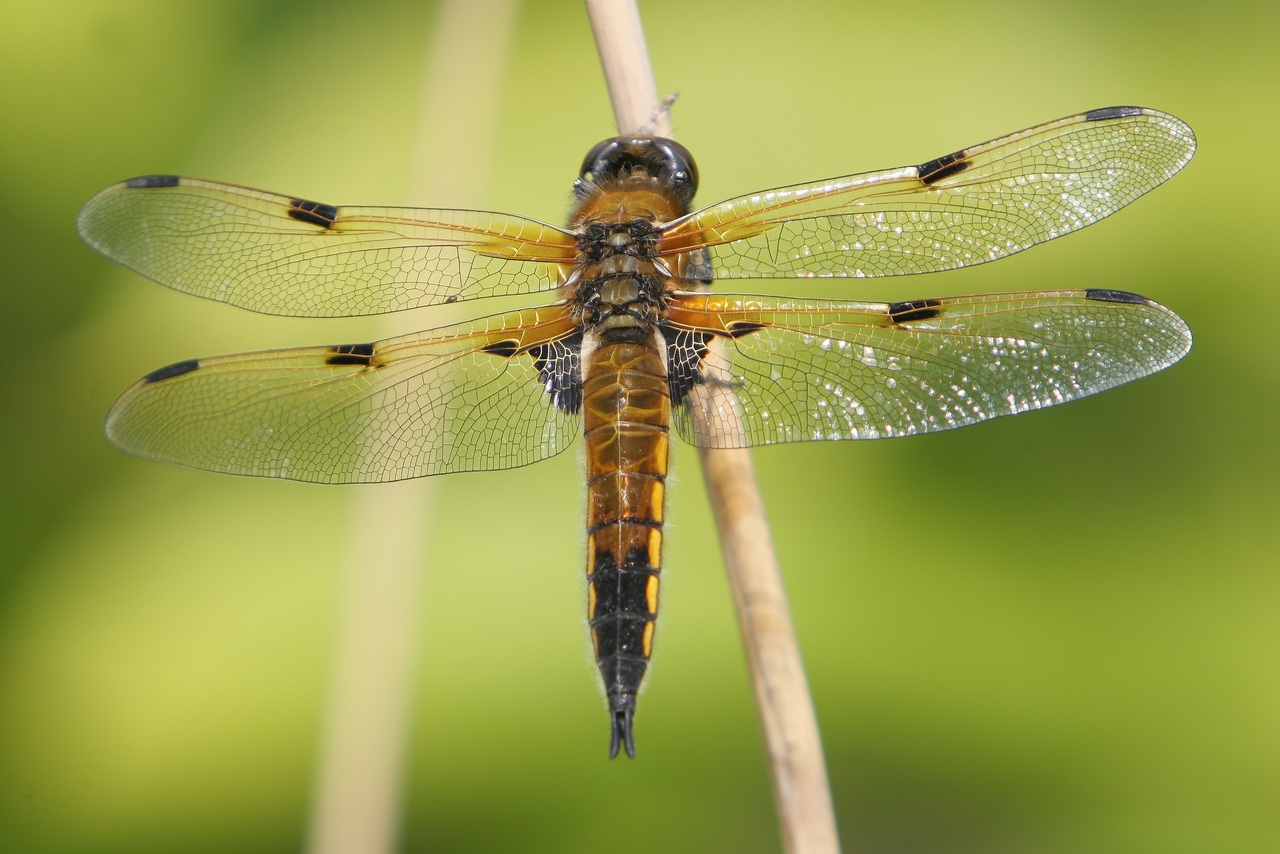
x=656, y=500
x=661, y=452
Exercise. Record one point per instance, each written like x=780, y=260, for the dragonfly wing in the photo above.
x=282, y=255
x=806, y=370
x=968, y=207
x=469, y=397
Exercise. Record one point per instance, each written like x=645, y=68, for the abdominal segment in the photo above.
x=626, y=411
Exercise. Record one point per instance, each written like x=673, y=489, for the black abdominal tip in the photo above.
x=622, y=734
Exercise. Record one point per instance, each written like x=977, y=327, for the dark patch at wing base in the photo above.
x=150, y=182
x=316, y=213
x=351, y=354
x=557, y=364
x=1104, y=295
x=942, y=167
x=1104, y=113
x=916, y=309
x=177, y=369
x=685, y=352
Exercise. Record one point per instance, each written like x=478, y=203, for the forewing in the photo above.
x=974, y=205
x=802, y=370
x=468, y=397
x=283, y=255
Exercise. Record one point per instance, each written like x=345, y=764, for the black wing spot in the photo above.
x=316, y=213
x=1104, y=113
x=744, y=327
x=351, y=354
x=177, y=369
x=942, y=167
x=916, y=309
x=150, y=182
x=505, y=349
x=1103, y=295
x=450, y=299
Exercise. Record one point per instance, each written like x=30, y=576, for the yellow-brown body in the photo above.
x=626, y=410
x=619, y=292
x=634, y=343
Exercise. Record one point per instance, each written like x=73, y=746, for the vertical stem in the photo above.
x=790, y=726
x=359, y=781
x=627, y=70
x=800, y=789
x=359, y=777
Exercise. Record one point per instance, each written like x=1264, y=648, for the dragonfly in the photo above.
x=633, y=339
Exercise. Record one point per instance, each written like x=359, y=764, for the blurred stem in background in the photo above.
x=358, y=790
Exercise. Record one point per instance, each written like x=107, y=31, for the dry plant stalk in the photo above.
x=358, y=790
x=798, y=770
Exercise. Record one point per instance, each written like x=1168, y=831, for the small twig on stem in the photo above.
x=799, y=773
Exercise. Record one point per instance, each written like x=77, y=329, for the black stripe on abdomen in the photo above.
x=622, y=609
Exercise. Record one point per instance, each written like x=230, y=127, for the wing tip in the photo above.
x=1175, y=325
x=1176, y=126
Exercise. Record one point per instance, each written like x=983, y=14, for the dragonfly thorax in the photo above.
x=636, y=238
x=621, y=297
x=619, y=277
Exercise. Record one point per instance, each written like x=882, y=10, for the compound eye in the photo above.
x=683, y=170
x=596, y=159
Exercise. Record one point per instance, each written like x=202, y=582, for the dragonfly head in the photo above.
x=636, y=162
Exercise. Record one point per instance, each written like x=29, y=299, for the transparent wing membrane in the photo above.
x=504, y=391
x=460, y=398
x=282, y=255
x=968, y=207
x=809, y=370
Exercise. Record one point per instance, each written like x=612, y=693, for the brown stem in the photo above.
x=799, y=774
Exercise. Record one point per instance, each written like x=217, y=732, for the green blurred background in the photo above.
x=1055, y=633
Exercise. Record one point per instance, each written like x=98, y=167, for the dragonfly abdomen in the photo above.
x=626, y=410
